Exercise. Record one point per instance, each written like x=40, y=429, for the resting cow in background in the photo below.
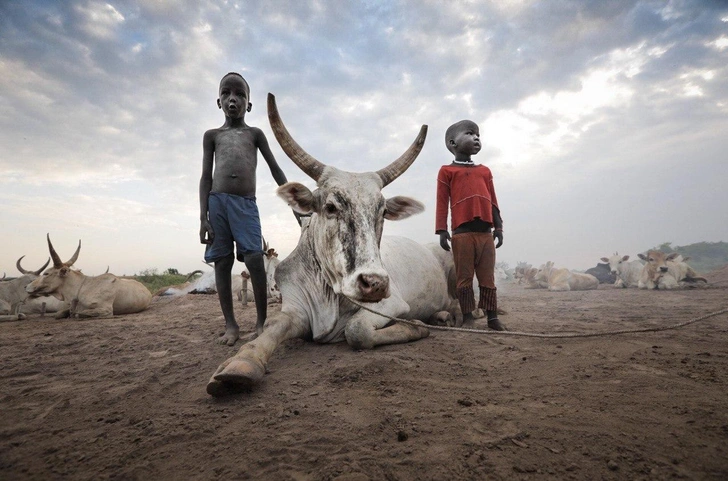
x=628, y=273
x=603, y=273
x=101, y=296
x=562, y=279
x=666, y=271
x=14, y=299
x=529, y=279
x=341, y=255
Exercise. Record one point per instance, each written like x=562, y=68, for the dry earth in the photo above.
x=125, y=398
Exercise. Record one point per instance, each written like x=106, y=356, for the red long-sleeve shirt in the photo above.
x=468, y=192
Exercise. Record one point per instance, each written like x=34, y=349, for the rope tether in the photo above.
x=535, y=334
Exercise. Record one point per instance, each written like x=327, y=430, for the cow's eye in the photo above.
x=330, y=208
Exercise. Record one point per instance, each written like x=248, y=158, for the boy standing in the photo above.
x=467, y=189
x=228, y=211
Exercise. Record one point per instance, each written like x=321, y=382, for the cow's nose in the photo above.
x=663, y=269
x=373, y=287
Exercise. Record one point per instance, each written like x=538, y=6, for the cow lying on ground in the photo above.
x=529, y=279
x=603, y=273
x=270, y=263
x=178, y=289
x=101, y=296
x=341, y=255
x=666, y=271
x=520, y=271
x=562, y=279
x=628, y=273
x=14, y=300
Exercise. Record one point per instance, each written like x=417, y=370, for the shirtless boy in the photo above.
x=228, y=212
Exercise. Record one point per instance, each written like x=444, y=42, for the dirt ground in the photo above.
x=125, y=398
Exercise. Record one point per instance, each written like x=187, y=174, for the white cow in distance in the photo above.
x=628, y=272
x=667, y=271
x=101, y=296
x=14, y=299
x=562, y=279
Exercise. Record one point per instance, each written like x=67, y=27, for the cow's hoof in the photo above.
x=237, y=375
x=220, y=389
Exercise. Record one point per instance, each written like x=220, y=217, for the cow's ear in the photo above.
x=298, y=196
x=625, y=258
x=605, y=260
x=400, y=207
x=642, y=256
x=671, y=256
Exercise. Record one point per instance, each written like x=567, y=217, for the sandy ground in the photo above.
x=125, y=398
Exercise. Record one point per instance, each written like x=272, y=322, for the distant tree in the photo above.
x=148, y=272
x=665, y=247
x=172, y=271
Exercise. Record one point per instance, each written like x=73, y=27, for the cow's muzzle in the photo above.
x=373, y=287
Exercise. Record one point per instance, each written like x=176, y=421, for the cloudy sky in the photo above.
x=605, y=123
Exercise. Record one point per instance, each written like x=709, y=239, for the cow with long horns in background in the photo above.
x=342, y=260
x=89, y=296
x=14, y=302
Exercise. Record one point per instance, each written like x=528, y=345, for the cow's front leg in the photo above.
x=102, y=313
x=247, y=367
x=366, y=330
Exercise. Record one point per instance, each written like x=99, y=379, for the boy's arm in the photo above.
x=443, y=200
x=497, y=219
x=208, y=153
x=275, y=169
x=264, y=148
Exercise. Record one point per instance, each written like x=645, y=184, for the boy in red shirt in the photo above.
x=467, y=189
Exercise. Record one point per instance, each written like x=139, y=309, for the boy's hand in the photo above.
x=498, y=234
x=206, y=232
x=444, y=237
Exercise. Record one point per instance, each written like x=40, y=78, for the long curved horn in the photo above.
x=73, y=259
x=54, y=255
x=397, y=168
x=38, y=272
x=309, y=165
x=20, y=268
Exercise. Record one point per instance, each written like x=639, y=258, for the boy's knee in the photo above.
x=225, y=262
x=254, y=263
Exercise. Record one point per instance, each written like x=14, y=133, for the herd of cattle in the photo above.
x=659, y=271
x=108, y=295
x=70, y=293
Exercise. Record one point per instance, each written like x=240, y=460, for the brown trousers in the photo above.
x=474, y=255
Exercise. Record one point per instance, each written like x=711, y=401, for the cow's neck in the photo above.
x=73, y=284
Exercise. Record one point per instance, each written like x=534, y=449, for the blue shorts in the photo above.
x=233, y=218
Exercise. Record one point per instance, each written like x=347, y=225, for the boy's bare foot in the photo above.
x=229, y=337
x=496, y=325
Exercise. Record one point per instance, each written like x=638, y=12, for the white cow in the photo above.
x=100, y=296
x=14, y=299
x=562, y=279
x=342, y=257
x=666, y=271
x=628, y=273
